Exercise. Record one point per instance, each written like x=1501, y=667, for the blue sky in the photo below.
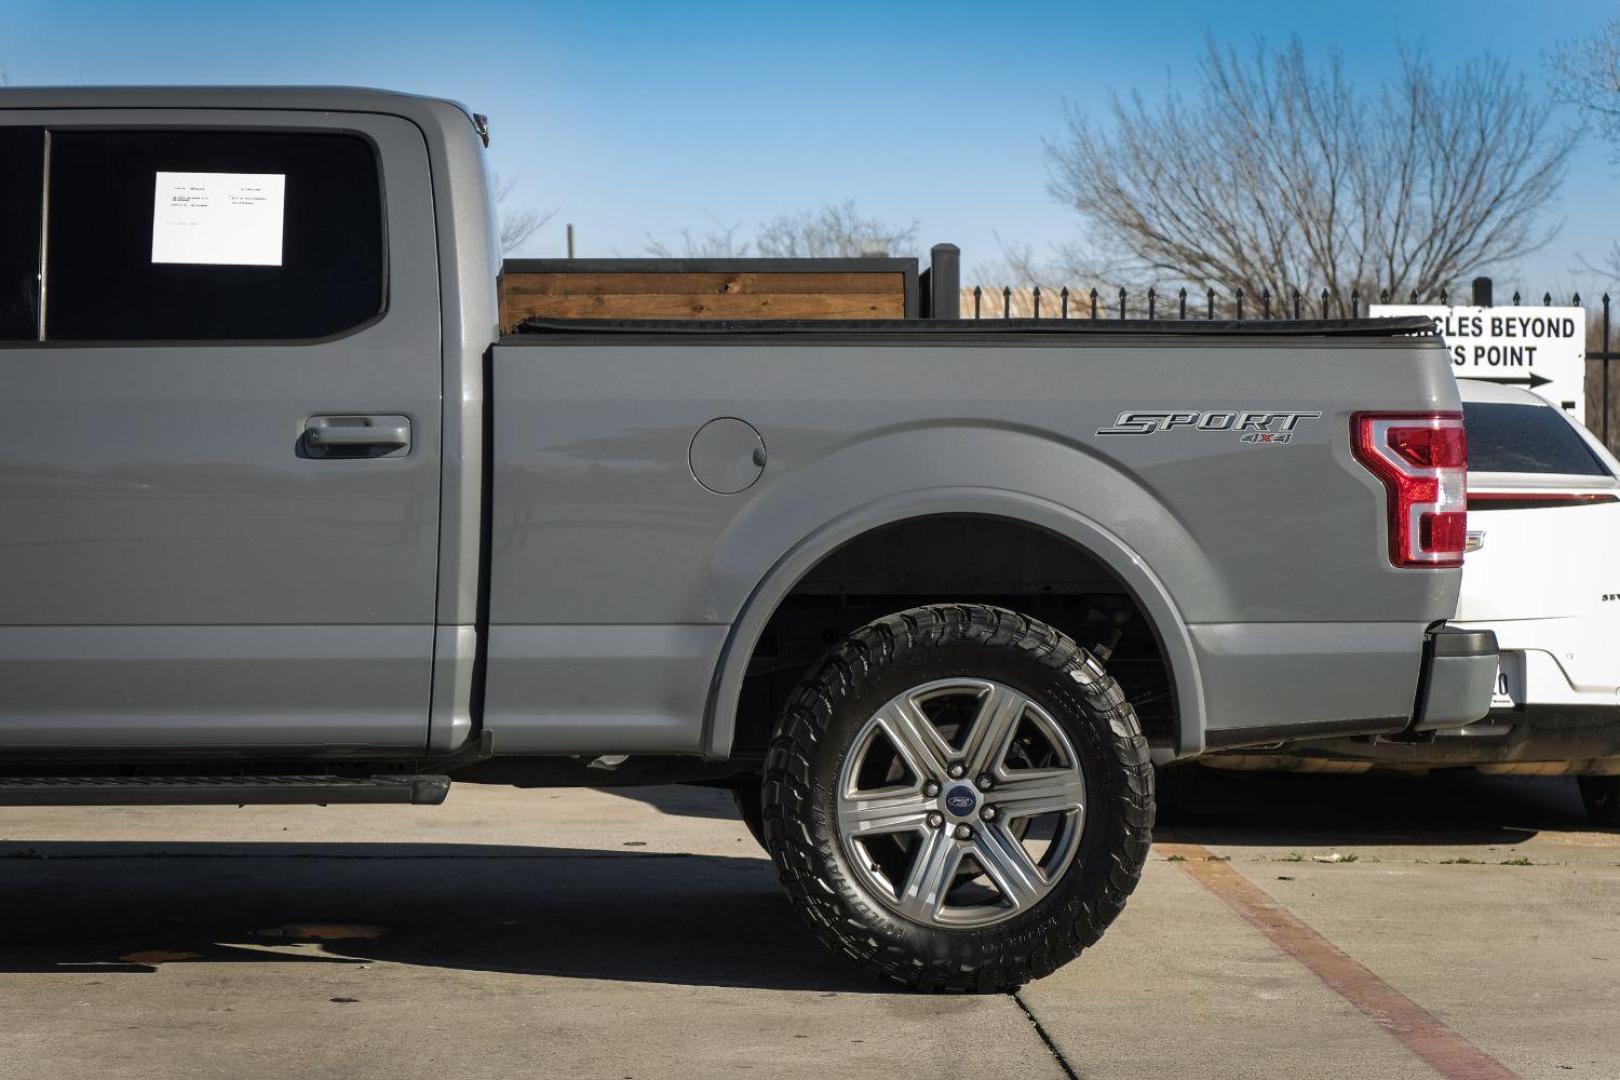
x=633, y=118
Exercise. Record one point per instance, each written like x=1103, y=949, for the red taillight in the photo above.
x=1422, y=459
x=1430, y=448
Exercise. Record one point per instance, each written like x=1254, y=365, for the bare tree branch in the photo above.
x=720, y=242
x=835, y=230
x=1589, y=73
x=1608, y=267
x=516, y=227
x=1282, y=175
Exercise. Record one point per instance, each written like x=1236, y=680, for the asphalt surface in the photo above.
x=1470, y=928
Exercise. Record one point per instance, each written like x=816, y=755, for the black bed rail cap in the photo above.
x=1398, y=326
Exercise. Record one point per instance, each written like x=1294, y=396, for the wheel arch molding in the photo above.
x=1085, y=536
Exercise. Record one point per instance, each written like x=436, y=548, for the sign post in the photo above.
x=1542, y=349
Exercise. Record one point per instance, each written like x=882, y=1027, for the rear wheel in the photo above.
x=958, y=798
x=1601, y=794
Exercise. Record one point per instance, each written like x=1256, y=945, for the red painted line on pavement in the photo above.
x=1446, y=1051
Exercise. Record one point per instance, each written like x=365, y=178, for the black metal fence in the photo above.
x=1091, y=304
x=1600, y=354
x=1067, y=303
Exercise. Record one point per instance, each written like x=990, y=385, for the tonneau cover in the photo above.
x=1402, y=326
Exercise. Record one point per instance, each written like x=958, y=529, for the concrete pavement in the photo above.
x=641, y=934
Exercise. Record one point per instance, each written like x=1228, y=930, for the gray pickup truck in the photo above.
x=283, y=518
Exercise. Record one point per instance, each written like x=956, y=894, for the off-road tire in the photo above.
x=1601, y=794
x=837, y=697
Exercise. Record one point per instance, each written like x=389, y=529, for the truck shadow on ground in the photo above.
x=1455, y=807
x=105, y=908
x=1275, y=809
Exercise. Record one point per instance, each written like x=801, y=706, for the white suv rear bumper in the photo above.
x=1559, y=661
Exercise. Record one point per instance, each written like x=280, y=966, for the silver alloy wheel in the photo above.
x=935, y=819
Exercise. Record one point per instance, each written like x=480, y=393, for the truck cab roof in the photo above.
x=415, y=107
x=191, y=97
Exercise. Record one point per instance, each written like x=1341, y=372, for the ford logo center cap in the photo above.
x=961, y=800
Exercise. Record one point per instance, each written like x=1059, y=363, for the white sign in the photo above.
x=1539, y=348
x=218, y=219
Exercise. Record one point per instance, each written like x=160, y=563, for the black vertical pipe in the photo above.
x=945, y=282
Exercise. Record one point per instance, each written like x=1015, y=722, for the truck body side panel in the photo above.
x=178, y=574
x=599, y=522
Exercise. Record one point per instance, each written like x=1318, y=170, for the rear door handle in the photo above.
x=356, y=437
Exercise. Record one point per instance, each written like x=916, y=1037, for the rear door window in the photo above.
x=212, y=235
x=1511, y=438
x=21, y=182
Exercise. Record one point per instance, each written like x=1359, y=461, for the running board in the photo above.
x=220, y=790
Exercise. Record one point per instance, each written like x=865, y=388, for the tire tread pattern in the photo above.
x=1003, y=956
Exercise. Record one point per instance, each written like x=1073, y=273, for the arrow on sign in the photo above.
x=1532, y=380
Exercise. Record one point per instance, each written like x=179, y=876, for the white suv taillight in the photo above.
x=1422, y=458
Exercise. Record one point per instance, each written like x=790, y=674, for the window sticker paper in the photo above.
x=218, y=219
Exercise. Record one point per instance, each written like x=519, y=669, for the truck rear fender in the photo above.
x=983, y=471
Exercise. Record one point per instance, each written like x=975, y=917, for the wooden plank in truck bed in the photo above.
x=707, y=289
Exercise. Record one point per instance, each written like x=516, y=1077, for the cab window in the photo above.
x=22, y=170
x=198, y=235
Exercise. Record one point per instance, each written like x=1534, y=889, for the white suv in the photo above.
x=1543, y=571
